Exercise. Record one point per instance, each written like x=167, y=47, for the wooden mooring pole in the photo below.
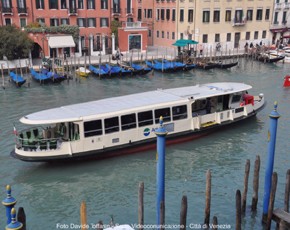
x=21, y=217
x=183, y=212
x=246, y=179
x=214, y=222
x=272, y=200
x=141, y=206
x=207, y=198
x=83, y=212
x=238, y=211
x=256, y=183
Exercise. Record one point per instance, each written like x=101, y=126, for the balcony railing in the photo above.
x=278, y=6
x=7, y=10
x=72, y=11
x=286, y=5
x=239, y=22
x=129, y=10
x=133, y=24
x=22, y=10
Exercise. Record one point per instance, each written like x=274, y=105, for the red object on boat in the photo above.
x=249, y=99
x=286, y=81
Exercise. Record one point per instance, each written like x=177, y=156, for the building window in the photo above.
x=149, y=33
x=173, y=15
x=91, y=22
x=21, y=4
x=228, y=15
x=157, y=14
x=22, y=22
x=190, y=15
x=181, y=35
x=204, y=38
x=276, y=18
x=90, y=4
x=256, y=34
x=63, y=4
x=259, y=14
x=162, y=14
x=157, y=34
x=8, y=21
x=167, y=14
x=80, y=4
x=173, y=35
x=54, y=22
x=81, y=22
x=162, y=34
x=206, y=16
x=238, y=16
x=104, y=22
x=248, y=35
x=229, y=37
x=181, y=19
x=41, y=21
x=284, y=18
x=267, y=14
x=167, y=35
x=39, y=4
x=149, y=13
x=264, y=34
x=250, y=15
x=6, y=4
x=53, y=4
x=217, y=38
x=104, y=4
x=139, y=14
x=64, y=21
x=216, y=16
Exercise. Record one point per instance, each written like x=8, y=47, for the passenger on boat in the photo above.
x=208, y=105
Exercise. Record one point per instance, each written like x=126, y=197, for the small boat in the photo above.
x=98, y=71
x=83, y=72
x=206, y=65
x=40, y=77
x=17, y=79
x=140, y=70
x=127, y=124
x=286, y=81
x=166, y=66
x=46, y=76
x=222, y=65
x=269, y=58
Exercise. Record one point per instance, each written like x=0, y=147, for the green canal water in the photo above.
x=51, y=194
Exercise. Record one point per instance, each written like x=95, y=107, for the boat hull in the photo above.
x=139, y=146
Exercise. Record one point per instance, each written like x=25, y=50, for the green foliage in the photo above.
x=14, y=43
x=33, y=25
x=63, y=29
x=114, y=28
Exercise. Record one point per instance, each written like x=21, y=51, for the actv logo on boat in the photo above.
x=146, y=132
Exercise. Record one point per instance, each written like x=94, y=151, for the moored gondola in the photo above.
x=18, y=80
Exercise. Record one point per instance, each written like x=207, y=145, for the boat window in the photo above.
x=145, y=118
x=179, y=112
x=112, y=125
x=165, y=113
x=93, y=128
x=198, y=105
x=128, y=121
x=236, y=98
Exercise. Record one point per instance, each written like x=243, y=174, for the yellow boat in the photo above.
x=83, y=72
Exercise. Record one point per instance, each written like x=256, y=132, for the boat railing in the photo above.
x=34, y=140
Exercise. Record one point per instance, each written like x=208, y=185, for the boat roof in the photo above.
x=77, y=112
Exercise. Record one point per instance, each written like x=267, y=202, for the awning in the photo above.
x=61, y=41
x=184, y=42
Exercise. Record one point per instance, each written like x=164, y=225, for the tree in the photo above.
x=14, y=43
x=114, y=28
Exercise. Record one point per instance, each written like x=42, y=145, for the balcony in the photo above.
x=278, y=6
x=72, y=11
x=239, y=22
x=7, y=11
x=129, y=11
x=286, y=5
x=22, y=10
